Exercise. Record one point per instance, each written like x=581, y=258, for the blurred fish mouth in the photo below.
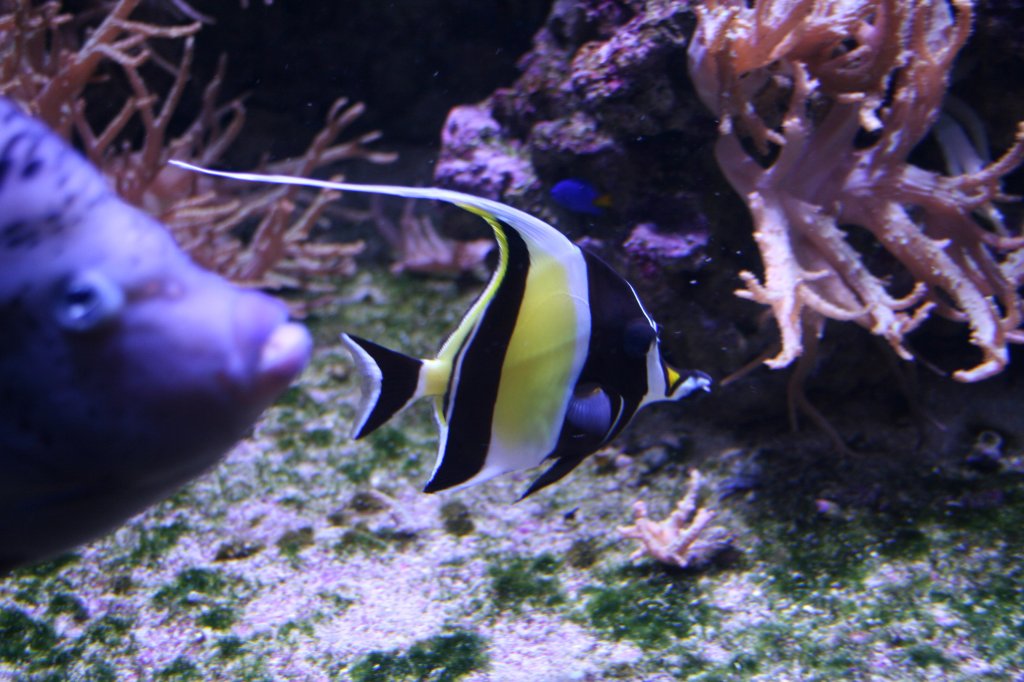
x=275, y=351
x=284, y=354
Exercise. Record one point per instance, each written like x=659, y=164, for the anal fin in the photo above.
x=557, y=471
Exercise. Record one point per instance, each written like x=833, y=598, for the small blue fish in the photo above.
x=550, y=363
x=580, y=196
x=125, y=369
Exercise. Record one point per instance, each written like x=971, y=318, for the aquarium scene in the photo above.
x=511, y=340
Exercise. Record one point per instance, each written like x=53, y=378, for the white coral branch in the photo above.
x=418, y=246
x=685, y=538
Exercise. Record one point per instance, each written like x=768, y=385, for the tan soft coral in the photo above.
x=794, y=83
x=685, y=538
x=418, y=247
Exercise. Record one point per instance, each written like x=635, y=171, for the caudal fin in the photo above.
x=389, y=382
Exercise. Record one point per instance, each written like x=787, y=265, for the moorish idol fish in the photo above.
x=551, y=361
x=580, y=196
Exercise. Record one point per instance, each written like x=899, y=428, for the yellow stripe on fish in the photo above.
x=551, y=361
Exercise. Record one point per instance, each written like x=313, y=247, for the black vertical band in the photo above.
x=476, y=374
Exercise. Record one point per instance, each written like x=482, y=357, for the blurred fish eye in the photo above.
x=86, y=301
x=638, y=338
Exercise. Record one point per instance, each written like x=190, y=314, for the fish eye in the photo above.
x=86, y=301
x=667, y=357
x=639, y=336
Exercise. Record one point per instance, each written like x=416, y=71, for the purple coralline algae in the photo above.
x=603, y=95
x=651, y=250
x=477, y=157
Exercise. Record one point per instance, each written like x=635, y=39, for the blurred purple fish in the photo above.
x=580, y=196
x=125, y=369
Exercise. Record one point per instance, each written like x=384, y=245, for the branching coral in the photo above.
x=279, y=252
x=419, y=248
x=685, y=539
x=820, y=105
x=47, y=66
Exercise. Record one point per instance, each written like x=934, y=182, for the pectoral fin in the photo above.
x=590, y=411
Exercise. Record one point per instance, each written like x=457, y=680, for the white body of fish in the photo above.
x=125, y=369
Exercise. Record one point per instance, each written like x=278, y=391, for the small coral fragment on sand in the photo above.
x=685, y=538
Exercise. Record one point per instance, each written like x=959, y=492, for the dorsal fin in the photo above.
x=534, y=231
